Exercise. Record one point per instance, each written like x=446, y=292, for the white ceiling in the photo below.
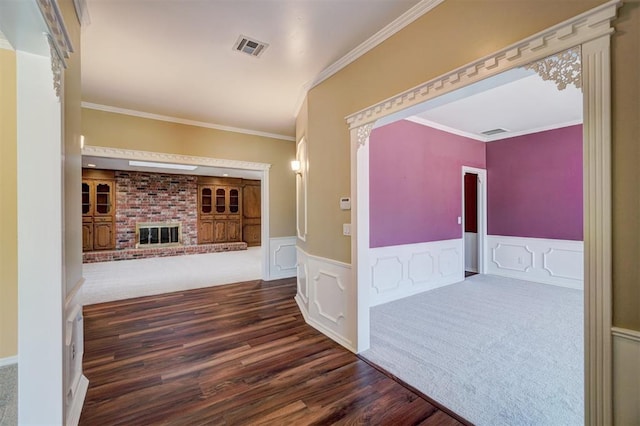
x=518, y=101
x=175, y=58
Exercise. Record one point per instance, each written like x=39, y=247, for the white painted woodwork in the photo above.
x=546, y=261
x=591, y=31
x=405, y=270
x=301, y=189
x=325, y=297
x=40, y=278
x=626, y=376
x=282, y=257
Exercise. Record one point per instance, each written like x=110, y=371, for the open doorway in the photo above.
x=399, y=336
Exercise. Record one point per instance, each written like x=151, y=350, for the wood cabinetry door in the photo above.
x=251, y=214
x=234, y=233
x=102, y=235
x=87, y=202
x=219, y=231
x=103, y=198
x=205, y=231
x=87, y=235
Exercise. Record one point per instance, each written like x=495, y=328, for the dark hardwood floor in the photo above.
x=235, y=355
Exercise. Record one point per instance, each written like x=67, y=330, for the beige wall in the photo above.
x=625, y=159
x=8, y=207
x=72, y=159
x=123, y=131
x=453, y=34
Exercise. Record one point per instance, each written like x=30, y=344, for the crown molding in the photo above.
x=398, y=24
x=501, y=136
x=151, y=116
x=131, y=154
x=583, y=28
x=4, y=43
x=395, y=26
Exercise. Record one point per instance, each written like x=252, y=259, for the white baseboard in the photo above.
x=73, y=416
x=546, y=261
x=326, y=297
x=626, y=376
x=405, y=270
x=10, y=360
x=282, y=257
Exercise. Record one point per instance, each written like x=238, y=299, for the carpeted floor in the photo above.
x=124, y=279
x=9, y=395
x=495, y=350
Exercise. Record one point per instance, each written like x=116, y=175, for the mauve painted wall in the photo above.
x=416, y=182
x=535, y=185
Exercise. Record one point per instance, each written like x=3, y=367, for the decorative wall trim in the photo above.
x=398, y=24
x=626, y=333
x=301, y=189
x=626, y=376
x=10, y=360
x=556, y=262
x=563, y=68
x=151, y=116
x=327, y=307
x=71, y=295
x=61, y=42
x=282, y=257
x=405, y=270
x=588, y=26
x=4, y=43
x=592, y=32
x=131, y=154
x=73, y=416
x=82, y=12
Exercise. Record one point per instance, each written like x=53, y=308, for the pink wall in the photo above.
x=535, y=185
x=416, y=183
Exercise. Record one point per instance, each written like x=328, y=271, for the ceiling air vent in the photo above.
x=250, y=46
x=494, y=132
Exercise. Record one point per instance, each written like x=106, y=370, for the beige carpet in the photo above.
x=125, y=279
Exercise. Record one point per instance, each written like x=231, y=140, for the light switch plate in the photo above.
x=346, y=229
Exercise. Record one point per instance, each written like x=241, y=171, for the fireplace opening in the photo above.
x=158, y=234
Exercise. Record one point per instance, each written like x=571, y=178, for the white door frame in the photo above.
x=481, y=215
x=591, y=31
x=131, y=154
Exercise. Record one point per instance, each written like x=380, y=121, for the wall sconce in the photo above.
x=295, y=166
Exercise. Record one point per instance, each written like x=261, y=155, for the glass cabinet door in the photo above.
x=86, y=198
x=205, y=200
x=234, y=201
x=103, y=198
x=220, y=200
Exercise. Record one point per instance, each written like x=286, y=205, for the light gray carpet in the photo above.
x=495, y=350
x=9, y=395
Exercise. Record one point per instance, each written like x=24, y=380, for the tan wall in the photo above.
x=453, y=34
x=8, y=207
x=122, y=131
x=625, y=159
x=72, y=158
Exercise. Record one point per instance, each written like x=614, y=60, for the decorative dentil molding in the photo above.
x=563, y=68
x=130, y=154
x=59, y=41
x=363, y=134
x=588, y=26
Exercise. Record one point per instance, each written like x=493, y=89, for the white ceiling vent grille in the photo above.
x=494, y=132
x=250, y=46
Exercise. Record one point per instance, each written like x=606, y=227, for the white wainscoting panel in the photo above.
x=282, y=258
x=326, y=297
x=626, y=377
x=401, y=271
x=556, y=262
x=471, y=251
x=76, y=383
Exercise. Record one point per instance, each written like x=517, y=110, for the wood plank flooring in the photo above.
x=232, y=355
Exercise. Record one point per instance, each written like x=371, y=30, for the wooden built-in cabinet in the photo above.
x=98, y=210
x=222, y=213
x=219, y=210
x=251, y=212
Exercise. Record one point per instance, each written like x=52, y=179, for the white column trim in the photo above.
x=590, y=30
